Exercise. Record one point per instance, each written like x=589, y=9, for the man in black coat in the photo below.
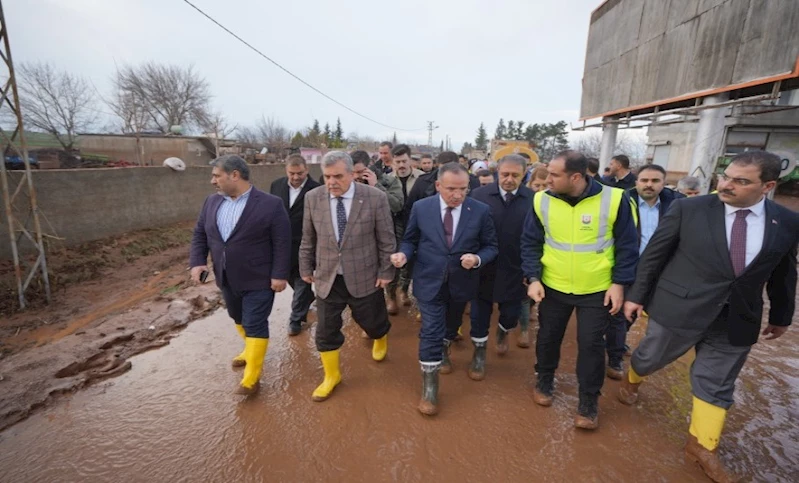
x=502, y=280
x=426, y=184
x=291, y=189
x=701, y=280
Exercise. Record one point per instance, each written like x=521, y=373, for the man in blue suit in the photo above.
x=451, y=236
x=248, y=234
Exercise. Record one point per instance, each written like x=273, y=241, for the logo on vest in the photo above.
x=586, y=219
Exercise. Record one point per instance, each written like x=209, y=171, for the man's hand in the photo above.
x=536, y=291
x=633, y=311
x=774, y=331
x=196, y=271
x=370, y=177
x=308, y=279
x=382, y=282
x=278, y=285
x=615, y=298
x=399, y=260
x=469, y=261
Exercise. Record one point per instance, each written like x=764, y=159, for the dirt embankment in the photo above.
x=112, y=299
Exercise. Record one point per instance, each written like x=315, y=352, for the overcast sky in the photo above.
x=455, y=62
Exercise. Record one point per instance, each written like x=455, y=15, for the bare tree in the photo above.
x=56, y=102
x=169, y=95
x=216, y=127
x=249, y=136
x=632, y=144
x=274, y=135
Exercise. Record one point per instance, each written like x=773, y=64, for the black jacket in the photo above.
x=502, y=280
x=685, y=277
x=280, y=188
x=667, y=196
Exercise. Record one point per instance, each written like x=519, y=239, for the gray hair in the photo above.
x=335, y=157
x=514, y=159
x=688, y=183
x=451, y=167
x=231, y=162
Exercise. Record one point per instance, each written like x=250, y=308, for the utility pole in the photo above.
x=430, y=128
x=23, y=209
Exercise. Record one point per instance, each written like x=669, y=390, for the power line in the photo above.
x=294, y=75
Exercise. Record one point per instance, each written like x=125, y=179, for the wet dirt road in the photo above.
x=172, y=417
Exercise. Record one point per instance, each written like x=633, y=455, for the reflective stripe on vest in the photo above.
x=601, y=243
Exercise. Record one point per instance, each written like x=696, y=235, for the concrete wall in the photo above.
x=154, y=150
x=646, y=51
x=88, y=204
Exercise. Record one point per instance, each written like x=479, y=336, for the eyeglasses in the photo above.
x=738, y=181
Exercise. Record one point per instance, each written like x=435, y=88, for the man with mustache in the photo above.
x=701, y=280
x=651, y=200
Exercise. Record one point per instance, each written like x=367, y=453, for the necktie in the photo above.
x=341, y=218
x=448, y=226
x=738, y=242
x=508, y=197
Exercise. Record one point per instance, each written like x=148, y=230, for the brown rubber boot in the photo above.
x=477, y=368
x=708, y=460
x=544, y=388
x=587, y=412
x=523, y=340
x=628, y=392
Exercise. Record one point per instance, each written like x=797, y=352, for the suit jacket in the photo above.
x=365, y=253
x=280, y=188
x=502, y=280
x=258, y=249
x=435, y=263
x=685, y=277
x=425, y=186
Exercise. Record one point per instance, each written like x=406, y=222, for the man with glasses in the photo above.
x=701, y=280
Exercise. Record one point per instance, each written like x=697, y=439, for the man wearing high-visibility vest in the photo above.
x=579, y=250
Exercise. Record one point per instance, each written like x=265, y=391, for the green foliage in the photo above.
x=481, y=141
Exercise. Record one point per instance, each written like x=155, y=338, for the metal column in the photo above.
x=610, y=129
x=709, y=136
x=19, y=212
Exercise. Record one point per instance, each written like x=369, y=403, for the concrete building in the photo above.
x=710, y=77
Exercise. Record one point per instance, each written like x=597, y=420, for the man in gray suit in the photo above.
x=701, y=279
x=347, y=242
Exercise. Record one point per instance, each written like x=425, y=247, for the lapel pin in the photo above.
x=774, y=222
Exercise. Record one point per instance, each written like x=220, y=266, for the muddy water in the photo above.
x=173, y=418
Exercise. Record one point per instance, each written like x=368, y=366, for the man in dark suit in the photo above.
x=650, y=202
x=292, y=189
x=619, y=174
x=701, y=281
x=248, y=234
x=502, y=280
x=347, y=239
x=450, y=236
x=425, y=186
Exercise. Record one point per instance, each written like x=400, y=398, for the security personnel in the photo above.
x=579, y=249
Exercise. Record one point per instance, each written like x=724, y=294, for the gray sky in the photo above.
x=456, y=62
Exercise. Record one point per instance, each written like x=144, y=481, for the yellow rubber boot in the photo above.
x=707, y=422
x=330, y=363
x=633, y=377
x=240, y=360
x=254, y=353
x=380, y=348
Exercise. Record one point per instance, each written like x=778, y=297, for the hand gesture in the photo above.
x=632, y=311
x=196, y=271
x=536, y=291
x=399, y=260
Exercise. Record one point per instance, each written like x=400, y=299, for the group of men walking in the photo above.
x=371, y=229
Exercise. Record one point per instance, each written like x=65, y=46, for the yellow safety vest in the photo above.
x=579, y=251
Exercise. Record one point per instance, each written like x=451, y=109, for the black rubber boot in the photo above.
x=428, y=405
x=446, y=363
x=477, y=369
x=587, y=412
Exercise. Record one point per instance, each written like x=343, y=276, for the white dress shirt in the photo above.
x=456, y=215
x=755, y=227
x=502, y=192
x=294, y=193
x=347, y=199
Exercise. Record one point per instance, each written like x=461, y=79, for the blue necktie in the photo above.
x=341, y=218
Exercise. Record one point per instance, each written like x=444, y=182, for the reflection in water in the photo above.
x=173, y=417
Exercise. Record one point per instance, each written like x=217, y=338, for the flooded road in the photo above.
x=173, y=417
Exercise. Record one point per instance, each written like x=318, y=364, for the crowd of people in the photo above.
x=536, y=241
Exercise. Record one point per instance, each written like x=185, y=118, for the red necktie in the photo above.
x=448, y=226
x=738, y=242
